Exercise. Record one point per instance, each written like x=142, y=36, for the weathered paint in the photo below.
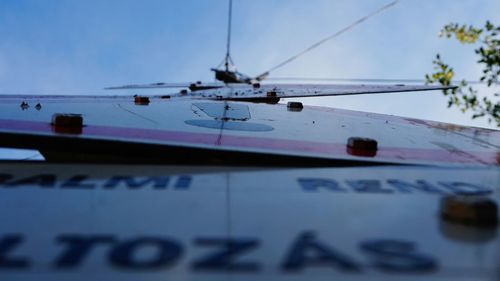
x=262, y=128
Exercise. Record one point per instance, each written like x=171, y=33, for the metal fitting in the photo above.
x=139, y=100
x=362, y=146
x=294, y=106
x=24, y=105
x=67, y=123
x=470, y=210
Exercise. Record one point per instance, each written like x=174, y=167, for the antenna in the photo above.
x=315, y=45
x=227, y=60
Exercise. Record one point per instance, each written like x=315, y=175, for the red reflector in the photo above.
x=362, y=147
x=67, y=123
x=138, y=100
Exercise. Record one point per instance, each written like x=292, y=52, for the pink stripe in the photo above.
x=328, y=150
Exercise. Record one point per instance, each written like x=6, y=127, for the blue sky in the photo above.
x=70, y=47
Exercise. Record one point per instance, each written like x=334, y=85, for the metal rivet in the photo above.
x=470, y=210
x=139, y=100
x=272, y=97
x=24, y=105
x=294, y=106
x=271, y=94
x=362, y=146
x=362, y=143
x=67, y=120
x=67, y=123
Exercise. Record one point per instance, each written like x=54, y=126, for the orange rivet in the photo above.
x=362, y=146
x=470, y=210
x=271, y=94
x=294, y=106
x=139, y=100
x=67, y=123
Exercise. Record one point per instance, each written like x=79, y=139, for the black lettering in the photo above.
x=407, y=187
x=367, y=186
x=124, y=254
x=7, y=244
x=225, y=258
x=77, y=182
x=45, y=180
x=183, y=182
x=307, y=250
x=133, y=183
x=313, y=184
x=397, y=256
x=466, y=188
x=78, y=247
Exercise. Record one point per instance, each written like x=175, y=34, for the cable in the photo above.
x=346, y=79
x=315, y=45
x=376, y=80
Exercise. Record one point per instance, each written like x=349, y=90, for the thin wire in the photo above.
x=346, y=79
x=347, y=28
x=359, y=80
